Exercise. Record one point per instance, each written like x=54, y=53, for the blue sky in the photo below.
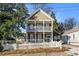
x=62, y=10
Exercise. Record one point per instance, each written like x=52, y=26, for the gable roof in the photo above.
x=42, y=12
x=75, y=29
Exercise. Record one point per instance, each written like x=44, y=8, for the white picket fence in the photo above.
x=32, y=45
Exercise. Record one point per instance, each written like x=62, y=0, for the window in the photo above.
x=47, y=25
x=32, y=40
x=39, y=39
x=39, y=36
x=31, y=36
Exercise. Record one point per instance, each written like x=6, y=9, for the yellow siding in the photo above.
x=40, y=17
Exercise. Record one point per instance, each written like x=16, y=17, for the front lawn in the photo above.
x=33, y=51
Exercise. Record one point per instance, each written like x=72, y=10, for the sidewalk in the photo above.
x=73, y=51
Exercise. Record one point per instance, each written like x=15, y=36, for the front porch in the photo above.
x=39, y=37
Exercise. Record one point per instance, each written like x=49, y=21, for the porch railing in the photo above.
x=39, y=29
x=33, y=45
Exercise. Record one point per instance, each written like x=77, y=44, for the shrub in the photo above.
x=1, y=47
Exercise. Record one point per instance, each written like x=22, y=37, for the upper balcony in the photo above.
x=39, y=27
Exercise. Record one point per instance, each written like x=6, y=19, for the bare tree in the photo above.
x=43, y=6
x=69, y=23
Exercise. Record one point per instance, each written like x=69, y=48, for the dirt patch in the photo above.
x=33, y=51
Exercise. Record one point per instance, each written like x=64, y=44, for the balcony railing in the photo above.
x=39, y=29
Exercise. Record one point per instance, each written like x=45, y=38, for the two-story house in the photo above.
x=39, y=27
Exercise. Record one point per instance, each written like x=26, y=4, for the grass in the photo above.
x=33, y=51
x=7, y=41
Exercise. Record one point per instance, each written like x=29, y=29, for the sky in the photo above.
x=62, y=10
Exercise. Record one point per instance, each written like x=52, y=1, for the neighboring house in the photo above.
x=71, y=36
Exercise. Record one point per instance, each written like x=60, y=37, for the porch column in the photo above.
x=27, y=32
x=26, y=37
x=35, y=31
x=52, y=30
x=43, y=32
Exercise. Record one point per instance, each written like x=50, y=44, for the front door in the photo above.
x=47, y=38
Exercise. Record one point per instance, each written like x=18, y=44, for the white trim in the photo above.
x=26, y=33
x=35, y=31
x=43, y=33
x=52, y=30
x=41, y=20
